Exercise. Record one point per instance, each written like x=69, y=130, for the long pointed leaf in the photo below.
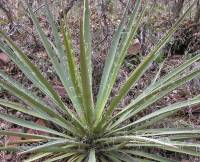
x=35, y=71
x=25, y=135
x=51, y=144
x=118, y=60
x=101, y=98
x=23, y=109
x=85, y=76
x=139, y=71
x=37, y=157
x=87, y=39
x=58, y=68
x=33, y=102
x=149, y=156
x=30, y=125
x=60, y=157
x=169, y=77
x=92, y=156
x=64, y=61
x=73, y=70
x=166, y=110
x=155, y=95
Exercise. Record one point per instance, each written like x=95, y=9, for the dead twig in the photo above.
x=43, y=5
x=67, y=8
x=7, y=11
x=105, y=20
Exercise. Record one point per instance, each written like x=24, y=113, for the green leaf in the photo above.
x=24, y=94
x=55, y=34
x=101, y=98
x=33, y=102
x=88, y=132
x=48, y=145
x=141, y=69
x=73, y=70
x=68, y=85
x=87, y=40
x=173, y=74
x=158, y=73
x=11, y=53
x=37, y=74
x=155, y=120
x=24, y=69
x=182, y=150
x=73, y=158
x=168, y=131
x=119, y=139
x=37, y=157
x=118, y=60
x=169, y=77
x=186, y=145
x=53, y=57
x=64, y=62
x=80, y=158
x=92, y=156
x=85, y=76
x=149, y=156
x=124, y=156
x=112, y=157
x=31, y=125
x=184, y=136
x=165, y=110
x=142, y=103
x=25, y=135
x=59, y=157
x=23, y=109
x=58, y=68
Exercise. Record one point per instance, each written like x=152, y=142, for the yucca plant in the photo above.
x=96, y=131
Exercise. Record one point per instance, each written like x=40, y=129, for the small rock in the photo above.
x=135, y=47
x=4, y=58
